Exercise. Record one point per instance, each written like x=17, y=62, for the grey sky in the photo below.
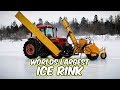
x=6, y=17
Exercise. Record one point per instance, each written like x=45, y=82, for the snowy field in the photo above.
x=14, y=65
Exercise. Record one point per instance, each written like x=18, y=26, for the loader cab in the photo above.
x=47, y=30
x=51, y=33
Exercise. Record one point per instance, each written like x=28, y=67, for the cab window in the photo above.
x=42, y=30
x=49, y=32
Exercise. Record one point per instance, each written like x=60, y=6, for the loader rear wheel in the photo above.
x=60, y=54
x=89, y=56
x=30, y=49
x=103, y=55
x=44, y=53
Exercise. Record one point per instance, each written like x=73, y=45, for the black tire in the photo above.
x=103, y=55
x=34, y=49
x=67, y=56
x=92, y=57
x=60, y=54
x=44, y=55
x=44, y=52
x=68, y=51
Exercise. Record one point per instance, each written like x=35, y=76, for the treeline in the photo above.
x=13, y=32
x=110, y=26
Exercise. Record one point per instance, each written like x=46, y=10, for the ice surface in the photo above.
x=14, y=65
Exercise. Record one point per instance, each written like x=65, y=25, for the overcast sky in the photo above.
x=6, y=17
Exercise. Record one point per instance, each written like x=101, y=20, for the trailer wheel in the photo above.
x=103, y=55
x=60, y=54
x=30, y=49
x=89, y=56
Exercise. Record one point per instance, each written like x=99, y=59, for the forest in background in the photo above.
x=111, y=26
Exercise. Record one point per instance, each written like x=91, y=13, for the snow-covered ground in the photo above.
x=14, y=65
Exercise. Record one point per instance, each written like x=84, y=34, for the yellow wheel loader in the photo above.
x=45, y=42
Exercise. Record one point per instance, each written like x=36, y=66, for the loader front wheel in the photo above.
x=89, y=56
x=30, y=49
x=68, y=51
